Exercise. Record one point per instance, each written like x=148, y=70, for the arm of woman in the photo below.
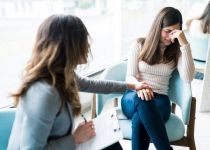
x=106, y=86
x=42, y=104
x=132, y=66
x=185, y=64
x=100, y=86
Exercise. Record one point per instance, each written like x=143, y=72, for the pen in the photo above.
x=84, y=118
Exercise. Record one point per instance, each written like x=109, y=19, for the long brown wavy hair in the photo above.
x=61, y=44
x=150, y=52
x=205, y=18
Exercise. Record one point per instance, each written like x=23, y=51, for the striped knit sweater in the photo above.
x=158, y=75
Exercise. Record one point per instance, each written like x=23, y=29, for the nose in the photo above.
x=168, y=38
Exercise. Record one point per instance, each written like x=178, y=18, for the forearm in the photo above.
x=100, y=86
x=186, y=66
x=131, y=86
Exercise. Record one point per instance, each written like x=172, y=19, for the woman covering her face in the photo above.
x=151, y=61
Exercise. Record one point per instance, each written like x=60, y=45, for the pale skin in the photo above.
x=84, y=132
x=168, y=35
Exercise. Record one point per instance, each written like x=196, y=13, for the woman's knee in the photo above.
x=128, y=103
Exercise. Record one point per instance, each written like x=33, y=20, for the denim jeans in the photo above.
x=148, y=120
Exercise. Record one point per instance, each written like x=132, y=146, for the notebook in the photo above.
x=107, y=131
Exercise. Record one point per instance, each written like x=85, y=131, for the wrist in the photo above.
x=182, y=40
x=131, y=86
x=75, y=138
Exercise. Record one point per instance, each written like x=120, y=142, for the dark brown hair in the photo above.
x=61, y=44
x=150, y=52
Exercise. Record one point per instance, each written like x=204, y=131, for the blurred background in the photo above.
x=112, y=24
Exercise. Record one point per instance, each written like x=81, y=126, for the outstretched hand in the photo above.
x=144, y=91
x=141, y=85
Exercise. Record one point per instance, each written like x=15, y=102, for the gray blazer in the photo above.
x=41, y=124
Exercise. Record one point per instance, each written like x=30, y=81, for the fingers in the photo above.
x=145, y=86
x=145, y=94
x=150, y=94
x=142, y=85
x=175, y=34
x=140, y=94
x=172, y=37
x=84, y=132
x=179, y=34
x=88, y=125
x=144, y=91
x=90, y=130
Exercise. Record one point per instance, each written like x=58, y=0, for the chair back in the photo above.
x=7, y=116
x=115, y=72
x=180, y=93
x=199, y=46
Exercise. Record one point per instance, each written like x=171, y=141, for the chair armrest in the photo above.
x=93, y=107
x=173, y=108
x=191, y=126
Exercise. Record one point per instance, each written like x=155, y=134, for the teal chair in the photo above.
x=199, y=47
x=7, y=116
x=179, y=93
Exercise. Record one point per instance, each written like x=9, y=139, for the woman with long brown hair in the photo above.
x=47, y=100
x=152, y=60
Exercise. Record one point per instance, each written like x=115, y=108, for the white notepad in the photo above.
x=107, y=131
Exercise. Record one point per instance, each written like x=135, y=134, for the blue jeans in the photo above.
x=148, y=120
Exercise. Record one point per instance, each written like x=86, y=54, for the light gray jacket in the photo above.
x=41, y=124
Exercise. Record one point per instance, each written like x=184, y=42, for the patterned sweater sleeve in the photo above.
x=132, y=67
x=185, y=64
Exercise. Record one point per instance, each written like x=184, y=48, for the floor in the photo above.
x=202, y=122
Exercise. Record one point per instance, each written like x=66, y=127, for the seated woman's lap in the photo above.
x=130, y=102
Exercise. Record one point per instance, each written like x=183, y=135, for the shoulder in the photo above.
x=137, y=44
x=43, y=88
x=41, y=94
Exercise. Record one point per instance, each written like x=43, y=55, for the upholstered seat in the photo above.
x=7, y=116
x=174, y=126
